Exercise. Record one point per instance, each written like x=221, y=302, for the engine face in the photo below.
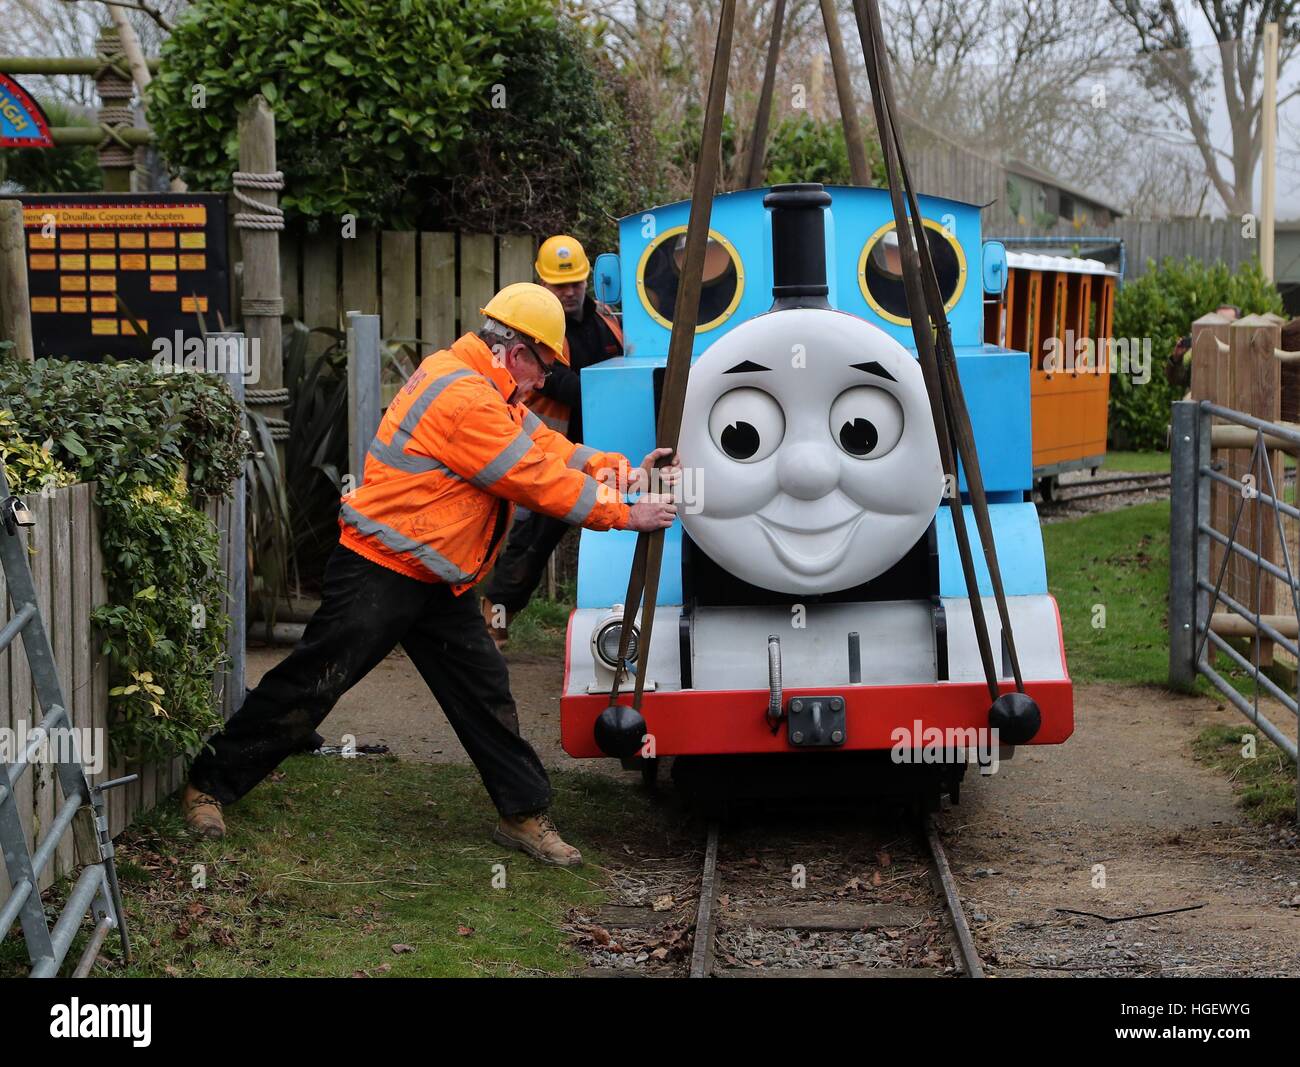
x=813, y=433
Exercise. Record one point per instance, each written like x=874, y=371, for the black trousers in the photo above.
x=366, y=611
x=522, y=563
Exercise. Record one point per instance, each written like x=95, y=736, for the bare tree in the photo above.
x=69, y=28
x=666, y=48
x=1185, y=82
x=1008, y=75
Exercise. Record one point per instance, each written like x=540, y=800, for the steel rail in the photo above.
x=706, y=914
x=965, y=954
x=1061, y=496
x=947, y=884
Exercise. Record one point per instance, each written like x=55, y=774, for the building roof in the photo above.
x=1025, y=170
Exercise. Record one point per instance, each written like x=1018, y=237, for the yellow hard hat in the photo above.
x=532, y=310
x=561, y=260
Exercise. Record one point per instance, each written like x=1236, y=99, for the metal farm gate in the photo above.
x=1234, y=554
x=96, y=888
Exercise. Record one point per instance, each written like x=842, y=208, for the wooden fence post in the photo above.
x=15, y=303
x=363, y=389
x=237, y=575
x=257, y=184
x=115, y=89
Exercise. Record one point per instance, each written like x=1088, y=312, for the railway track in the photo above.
x=1113, y=485
x=834, y=916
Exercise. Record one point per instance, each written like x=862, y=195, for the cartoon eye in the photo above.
x=866, y=422
x=746, y=424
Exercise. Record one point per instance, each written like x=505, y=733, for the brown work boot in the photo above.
x=500, y=634
x=537, y=836
x=203, y=813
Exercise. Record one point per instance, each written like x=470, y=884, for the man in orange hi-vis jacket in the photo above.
x=453, y=455
x=591, y=334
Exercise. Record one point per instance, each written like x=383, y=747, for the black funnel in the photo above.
x=798, y=245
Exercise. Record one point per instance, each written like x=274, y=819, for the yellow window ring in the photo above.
x=721, y=260
x=958, y=265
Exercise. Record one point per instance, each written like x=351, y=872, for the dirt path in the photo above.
x=391, y=706
x=1124, y=799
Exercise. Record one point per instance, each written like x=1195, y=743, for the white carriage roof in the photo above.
x=1063, y=264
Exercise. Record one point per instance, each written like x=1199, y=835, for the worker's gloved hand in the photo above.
x=648, y=478
x=652, y=512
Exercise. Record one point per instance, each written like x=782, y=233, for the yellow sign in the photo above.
x=87, y=216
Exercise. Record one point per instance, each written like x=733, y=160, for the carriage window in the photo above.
x=880, y=270
x=661, y=267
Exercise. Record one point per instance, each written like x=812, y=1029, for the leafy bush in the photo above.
x=801, y=149
x=551, y=158
x=486, y=114
x=1161, y=305
x=137, y=432
x=29, y=467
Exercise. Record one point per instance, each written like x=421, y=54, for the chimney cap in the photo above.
x=798, y=195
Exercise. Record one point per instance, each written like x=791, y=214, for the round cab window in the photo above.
x=660, y=271
x=880, y=270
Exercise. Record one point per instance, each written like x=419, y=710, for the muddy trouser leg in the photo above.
x=365, y=611
x=522, y=563
x=451, y=648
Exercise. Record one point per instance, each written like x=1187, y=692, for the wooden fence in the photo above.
x=67, y=565
x=430, y=285
x=422, y=285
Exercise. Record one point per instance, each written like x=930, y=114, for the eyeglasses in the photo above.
x=542, y=365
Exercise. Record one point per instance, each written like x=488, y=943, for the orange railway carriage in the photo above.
x=1060, y=310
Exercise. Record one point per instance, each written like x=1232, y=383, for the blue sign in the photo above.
x=22, y=123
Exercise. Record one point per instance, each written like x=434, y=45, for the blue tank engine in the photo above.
x=811, y=596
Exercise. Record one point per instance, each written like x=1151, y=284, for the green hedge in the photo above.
x=1161, y=305
x=479, y=114
x=154, y=442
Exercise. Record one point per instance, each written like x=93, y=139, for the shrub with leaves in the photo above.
x=801, y=149
x=1162, y=305
x=401, y=112
x=549, y=152
x=29, y=467
x=137, y=433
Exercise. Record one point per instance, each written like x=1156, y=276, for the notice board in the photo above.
x=110, y=272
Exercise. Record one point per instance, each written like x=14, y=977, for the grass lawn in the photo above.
x=540, y=627
x=1265, y=782
x=365, y=867
x=1109, y=573
x=1135, y=462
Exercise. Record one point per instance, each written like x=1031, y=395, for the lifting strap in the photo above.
x=934, y=347
x=933, y=343
x=643, y=582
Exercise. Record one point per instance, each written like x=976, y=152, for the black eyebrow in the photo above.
x=874, y=368
x=745, y=366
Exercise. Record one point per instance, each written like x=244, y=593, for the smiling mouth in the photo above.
x=811, y=552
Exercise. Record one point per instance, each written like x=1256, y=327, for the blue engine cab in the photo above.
x=724, y=590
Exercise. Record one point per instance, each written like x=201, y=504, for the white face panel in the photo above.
x=813, y=433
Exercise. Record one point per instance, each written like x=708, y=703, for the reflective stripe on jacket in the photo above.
x=450, y=460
